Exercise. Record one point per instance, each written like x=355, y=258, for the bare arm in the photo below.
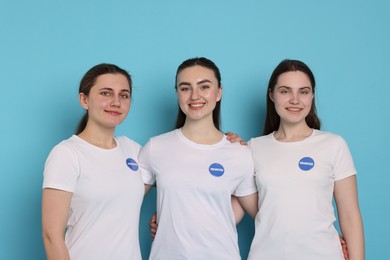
x=351, y=225
x=55, y=210
x=147, y=188
x=249, y=203
x=238, y=210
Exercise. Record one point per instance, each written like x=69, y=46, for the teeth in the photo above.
x=294, y=109
x=196, y=105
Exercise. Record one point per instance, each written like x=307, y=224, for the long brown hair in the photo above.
x=204, y=62
x=272, y=119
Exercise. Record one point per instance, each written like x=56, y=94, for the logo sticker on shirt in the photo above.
x=306, y=164
x=216, y=169
x=132, y=164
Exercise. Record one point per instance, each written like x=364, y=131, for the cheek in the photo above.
x=308, y=101
x=182, y=100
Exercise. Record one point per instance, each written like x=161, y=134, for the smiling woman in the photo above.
x=298, y=171
x=196, y=169
x=91, y=180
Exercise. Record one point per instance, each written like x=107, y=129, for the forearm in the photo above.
x=55, y=248
x=352, y=230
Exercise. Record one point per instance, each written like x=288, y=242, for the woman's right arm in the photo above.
x=55, y=210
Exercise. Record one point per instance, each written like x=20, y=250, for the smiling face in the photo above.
x=292, y=96
x=108, y=101
x=198, y=92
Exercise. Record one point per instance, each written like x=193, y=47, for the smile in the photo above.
x=197, y=105
x=113, y=113
x=292, y=109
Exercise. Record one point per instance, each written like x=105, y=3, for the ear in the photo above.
x=219, y=94
x=270, y=95
x=83, y=100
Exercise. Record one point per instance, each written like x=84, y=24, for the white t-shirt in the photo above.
x=295, y=181
x=107, y=194
x=194, y=187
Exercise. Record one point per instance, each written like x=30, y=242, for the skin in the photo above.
x=108, y=104
x=292, y=96
x=198, y=93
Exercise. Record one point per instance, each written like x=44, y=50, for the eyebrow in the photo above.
x=110, y=89
x=197, y=83
x=307, y=87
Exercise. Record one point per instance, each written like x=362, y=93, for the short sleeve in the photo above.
x=248, y=185
x=145, y=163
x=61, y=169
x=343, y=165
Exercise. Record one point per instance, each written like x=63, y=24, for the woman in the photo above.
x=196, y=171
x=92, y=189
x=298, y=170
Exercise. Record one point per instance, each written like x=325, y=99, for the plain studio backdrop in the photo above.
x=47, y=45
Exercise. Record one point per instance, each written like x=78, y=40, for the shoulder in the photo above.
x=168, y=136
x=327, y=136
x=127, y=141
x=66, y=146
x=260, y=140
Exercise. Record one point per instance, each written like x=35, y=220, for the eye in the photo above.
x=125, y=96
x=305, y=92
x=183, y=89
x=204, y=87
x=284, y=91
x=105, y=93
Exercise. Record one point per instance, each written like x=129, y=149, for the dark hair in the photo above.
x=204, y=62
x=89, y=80
x=272, y=119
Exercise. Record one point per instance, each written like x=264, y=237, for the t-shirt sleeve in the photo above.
x=343, y=165
x=248, y=185
x=145, y=163
x=61, y=169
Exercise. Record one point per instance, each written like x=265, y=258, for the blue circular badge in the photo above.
x=306, y=163
x=216, y=169
x=132, y=164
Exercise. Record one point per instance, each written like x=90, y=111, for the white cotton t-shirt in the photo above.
x=107, y=194
x=194, y=187
x=295, y=181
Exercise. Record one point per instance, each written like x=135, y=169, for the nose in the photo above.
x=294, y=100
x=116, y=102
x=194, y=94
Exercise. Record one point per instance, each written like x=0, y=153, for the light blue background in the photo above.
x=46, y=46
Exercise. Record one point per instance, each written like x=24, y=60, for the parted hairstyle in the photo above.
x=204, y=62
x=272, y=119
x=89, y=80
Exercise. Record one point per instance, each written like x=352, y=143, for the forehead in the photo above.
x=196, y=73
x=114, y=81
x=294, y=79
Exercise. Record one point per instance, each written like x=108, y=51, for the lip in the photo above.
x=113, y=113
x=294, y=109
x=196, y=106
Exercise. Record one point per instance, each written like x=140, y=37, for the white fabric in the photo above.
x=194, y=210
x=296, y=215
x=107, y=195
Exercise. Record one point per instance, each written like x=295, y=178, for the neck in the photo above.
x=201, y=132
x=103, y=138
x=292, y=133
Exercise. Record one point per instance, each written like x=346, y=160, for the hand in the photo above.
x=234, y=138
x=153, y=226
x=344, y=247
